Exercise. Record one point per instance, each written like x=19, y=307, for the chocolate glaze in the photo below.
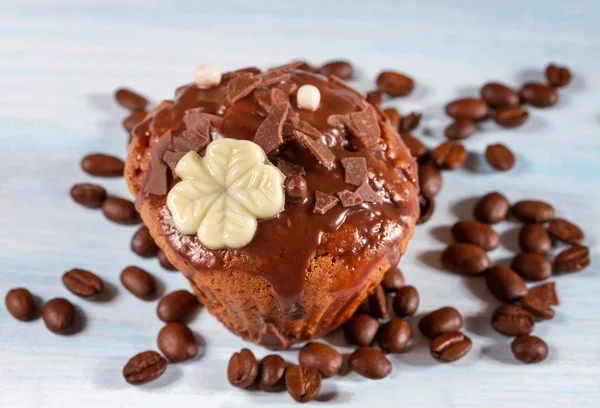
x=284, y=246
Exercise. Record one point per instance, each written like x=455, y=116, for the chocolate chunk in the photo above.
x=241, y=71
x=286, y=67
x=290, y=169
x=268, y=135
x=364, y=126
x=319, y=149
x=191, y=116
x=306, y=128
x=156, y=180
x=324, y=202
x=271, y=78
x=367, y=194
x=189, y=140
x=287, y=87
x=269, y=98
x=172, y=158
x=241, y=86
x=349, y=198
x=355, y=169
x=337, y=121
x=278, y=97
x=342, y=84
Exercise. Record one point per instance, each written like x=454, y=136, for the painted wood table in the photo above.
x=60, y=60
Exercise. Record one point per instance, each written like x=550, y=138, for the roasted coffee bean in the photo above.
x=374, y=97
x=58, y=315
x=529, y=349
x=449, y=347
x=565, y=231
x=88, y=195
x=558, y=76
x=572, y=259
x=392, y=280
x=465, y=259
x=499, y=157
x=426, y=208
x=406, y=301
x=176, y=306
x=143, y=244
x=341, y=69
x=534, y=238
x=271, y=372
x=395, y=84
x=449, y=155
x=130, y=100
x=394, y=117
x=537, y=307
x=82, y=283
x=430, y=180
x=303, y=384
x=378, y=303
x=296, y=189
x=410, y=122
x=538, y=95
x=460, y=129
x=243, y=369
x=545, y=292
x=139, y=282
x=499, y=95
x=394, y=335
x=512, y=320
x=511, y=116
x=440, y=321
x=176, y=341
x=491, y=208
x=417, y=149
x=476, y=233
x=505, y=284
x=102, y=165
x=324, y=358
x=164, y=261
x=144, y=367
x=532, y=266
x=369, y=363
x=467, y=108
x=361, y=329
x=20, y=304
x=533, y=211
x=133, y=120
x=120, y=211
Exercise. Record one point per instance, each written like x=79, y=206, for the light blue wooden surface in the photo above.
x=59, y=63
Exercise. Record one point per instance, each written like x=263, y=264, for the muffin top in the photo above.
x=360, y=202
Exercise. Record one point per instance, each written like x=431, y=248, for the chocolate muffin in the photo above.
x=275, y=273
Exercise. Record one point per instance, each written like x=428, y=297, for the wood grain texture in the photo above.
x=60, y=62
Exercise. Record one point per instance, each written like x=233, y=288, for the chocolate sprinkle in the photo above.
x=355, y=170
x=269, y=133
x=349, y=198
x=188, y=140
x=172, y=158
x=241, y=86
x=319, y=149
x=324, y=202
x=290, y=169
x=367, y=194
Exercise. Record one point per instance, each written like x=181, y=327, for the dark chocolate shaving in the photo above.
x=319, y=149
x=367, y=194
x=287, y=87
x=191, y=116
x=270, y=98
x=349, y=198
x=365, y=126
x=241, y=71
x=355, y=170
x=324, y=202
x=286, y=67
x=337, y=121
x=172, y=158
x=341, y=83
x=271, y=78
x=156, y=180
x=306, y=128
x=290, y=169
x=269, y=133
x=241, y=86
x=188, y=140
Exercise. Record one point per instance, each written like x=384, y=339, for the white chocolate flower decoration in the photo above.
x=223, y=194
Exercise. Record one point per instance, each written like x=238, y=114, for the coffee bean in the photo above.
x=82, y=283
x=565, y=231
x=164, y=261
x=143, y=244
x=324, y=358
x=426, y=208
x=505, y=284
x=465, y=259
x=499, y=157
x=243, y=369
x=394, y=335
x=449, y=155
x=88, y=195
x=378, y=303
x=102, y=165
x=534, y=238
x=410, y=122
x=498, y=95
x=512, y=320
x=546, y=292
x=440, y=321
x=369, y=363
x=395, y=84
x=460, y=129
x=58, y=315
x=529, y=349
x=176, y=306
x=511, y=116
x=303, y=384
x=558, y=76
x=450, y=347
x=133, y=120
x=430, y=180
x=130, y=100
x=538, y=95
x=406, y=301
x=139, y=282
x=144, y=367
x=537, y=307
x=572, y=259
x=392, y=280
x=361, y=329
x=417, y=149
x=532, y=266
x=176, y=341
x=476, y=233
x=341, y=69
x=394, y=117
x=20, y=304
x=374, y=97
x=296, y=189
x=467, y=108
x=533, y=211
x=120, y=211
x=491, y=208
x=271, y=372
